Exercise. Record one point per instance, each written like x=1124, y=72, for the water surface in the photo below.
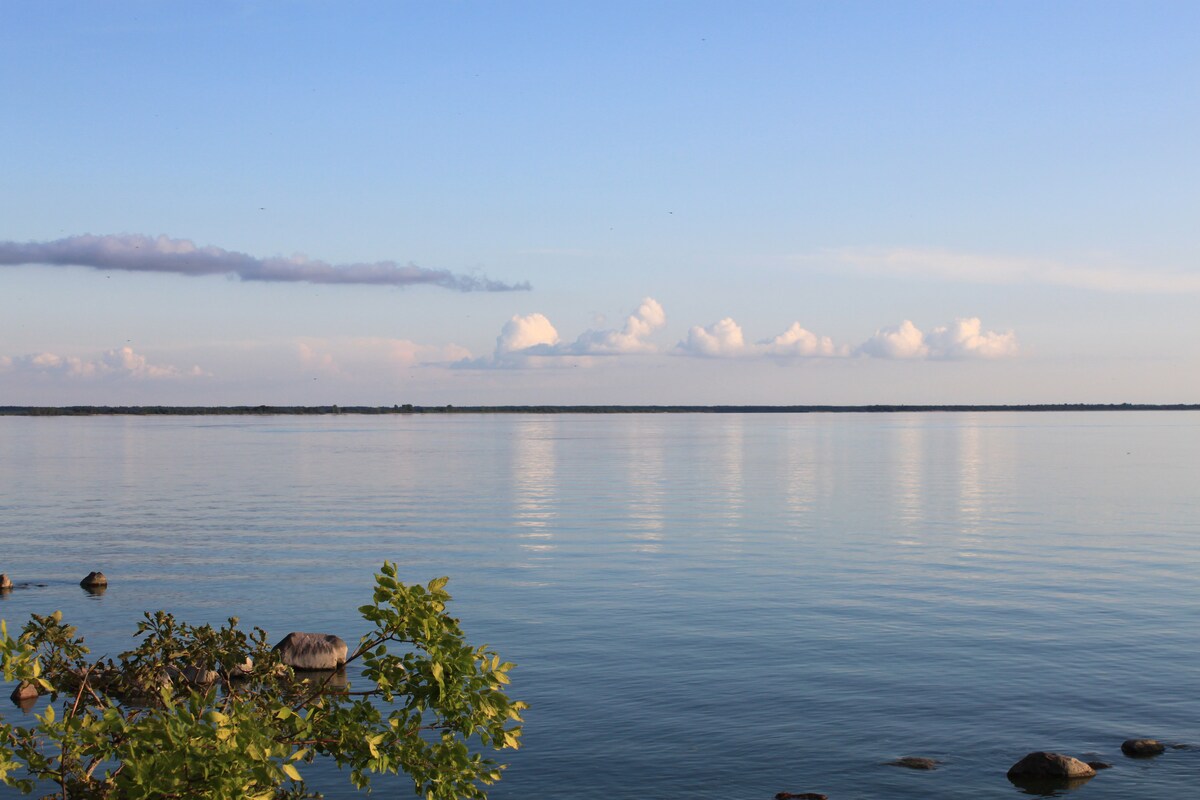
x=702, y=606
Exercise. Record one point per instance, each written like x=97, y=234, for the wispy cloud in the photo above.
x=359, y=356
x=1001, y=270
x=135, y=253
x=117, y=363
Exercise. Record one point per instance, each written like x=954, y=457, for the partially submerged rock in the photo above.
x=24, y=691
x=5, y=582
x=1043, y=766
x=1099, y=765
x=25, y=696
x=800, y=796
x=94, y=580
x=915, y=762
x=1142, y=748
x=312, y=651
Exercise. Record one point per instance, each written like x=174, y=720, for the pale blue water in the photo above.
x=702, y=606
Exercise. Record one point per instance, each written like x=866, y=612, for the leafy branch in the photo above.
x=205, y=712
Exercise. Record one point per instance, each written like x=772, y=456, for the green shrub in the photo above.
x=149, y=726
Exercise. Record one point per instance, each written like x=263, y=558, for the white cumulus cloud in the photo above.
x=631, y=338
x=962, y=339
x=532, y=341
x=720, y=339
x=797, y=341
x=726, y=339
x=898, y=341
x=525, y=332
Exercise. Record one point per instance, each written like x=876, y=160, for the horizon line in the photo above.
x=409, y=409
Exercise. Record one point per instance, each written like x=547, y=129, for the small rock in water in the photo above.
x=5, y=582
x=800, y=796
x=1098, y=765
x=915, y=762
x=312, y=651
x=1142, y=748
x=24, y=691
x=1042, y=766
x=243, y=669
x=94, y=580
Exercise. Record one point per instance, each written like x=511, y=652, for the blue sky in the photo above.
x=942, y=202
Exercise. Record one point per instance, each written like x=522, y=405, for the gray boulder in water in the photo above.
x=312, y=651
x=1042, y=766
x=94, y=580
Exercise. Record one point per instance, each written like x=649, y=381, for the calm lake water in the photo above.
x=701, y=606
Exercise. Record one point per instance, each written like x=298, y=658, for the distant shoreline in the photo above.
x=197, y=411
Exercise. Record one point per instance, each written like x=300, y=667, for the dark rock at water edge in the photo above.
x=312, y=651
x=800, y=796
x=915, y=762
x=1043, y=766
x=1142, y=748
x=94, y=580
x=1099, y=765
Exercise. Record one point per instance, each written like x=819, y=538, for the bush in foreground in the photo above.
x=182, y=716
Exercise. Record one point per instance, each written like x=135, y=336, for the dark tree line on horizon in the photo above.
x=408, y=408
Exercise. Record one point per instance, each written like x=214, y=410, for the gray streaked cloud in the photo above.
x=136, y=253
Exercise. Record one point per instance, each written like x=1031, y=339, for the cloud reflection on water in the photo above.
x=647, y=519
